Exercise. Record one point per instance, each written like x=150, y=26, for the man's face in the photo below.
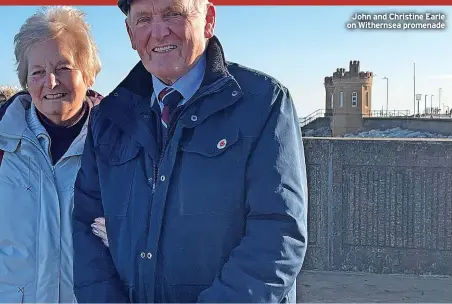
x=169, y=35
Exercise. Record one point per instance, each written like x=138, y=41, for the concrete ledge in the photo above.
x=372, y=139
x=343, y=287
x=433, y=125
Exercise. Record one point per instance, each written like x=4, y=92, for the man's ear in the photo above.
x=210, y=21
x=130, y=33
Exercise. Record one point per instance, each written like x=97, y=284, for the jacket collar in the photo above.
x=139, y=83
x=216, y=63
x=129, y=104
x=13, y=120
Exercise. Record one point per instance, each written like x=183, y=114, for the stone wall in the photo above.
x=380, y=205
x=432, y=125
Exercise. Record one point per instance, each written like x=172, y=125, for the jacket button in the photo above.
x=115, y=94
x=234, y=93
x=162, y=178
x=143, y=255
x=150, y=180
x=194, y=118
x=149, y=255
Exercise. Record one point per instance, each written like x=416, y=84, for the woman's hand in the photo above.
x=100, y=230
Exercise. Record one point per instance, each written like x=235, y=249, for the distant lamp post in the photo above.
x=431, y=104
x=414, y=86
x=387, y=94
x=425, y=105
x=418, y=98
x=439, y=99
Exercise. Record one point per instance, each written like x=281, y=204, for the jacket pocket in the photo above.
x=11, y=294
x=12, y=181
x=118, y=177
x=117, y=153
x=114, y=146
x=17, y=241
x=204, y=144
x=211, y=172
x=117, y=160
x=15, y=170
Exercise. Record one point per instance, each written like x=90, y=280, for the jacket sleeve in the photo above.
x=264, y=266
x=95, y=276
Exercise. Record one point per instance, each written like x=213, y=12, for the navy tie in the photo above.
x=170, y=99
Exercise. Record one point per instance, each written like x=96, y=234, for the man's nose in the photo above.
x=159, y=30
x=51, y=81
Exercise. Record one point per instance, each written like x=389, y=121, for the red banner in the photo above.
x=244, y=2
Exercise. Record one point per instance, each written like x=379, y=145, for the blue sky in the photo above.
x=297, y=45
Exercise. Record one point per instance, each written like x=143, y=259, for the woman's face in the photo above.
x=55, y=84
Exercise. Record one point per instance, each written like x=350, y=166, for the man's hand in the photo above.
x=100, y=230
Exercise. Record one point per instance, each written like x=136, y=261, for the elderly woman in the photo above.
x=42, y=134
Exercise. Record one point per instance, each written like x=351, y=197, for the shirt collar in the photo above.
x=188, y=84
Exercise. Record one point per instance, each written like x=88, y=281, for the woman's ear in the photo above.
x=90, y=83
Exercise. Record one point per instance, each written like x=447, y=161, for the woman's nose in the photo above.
x=51, y=81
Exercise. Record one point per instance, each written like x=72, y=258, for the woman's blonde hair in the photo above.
x=56, y=23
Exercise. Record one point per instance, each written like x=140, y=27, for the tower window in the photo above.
x=354, y=99
x=341, y=99
x=332, y=100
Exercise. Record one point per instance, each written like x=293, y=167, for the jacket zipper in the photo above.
x=157, y=164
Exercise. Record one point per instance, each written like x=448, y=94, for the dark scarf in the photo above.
x=61, y=137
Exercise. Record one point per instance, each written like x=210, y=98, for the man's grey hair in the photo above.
x=59, y=22
x=200, y=5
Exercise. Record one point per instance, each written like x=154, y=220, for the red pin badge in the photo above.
x=221, y=144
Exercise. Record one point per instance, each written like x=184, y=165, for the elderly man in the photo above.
x=197, y=165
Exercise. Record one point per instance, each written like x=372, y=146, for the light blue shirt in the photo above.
x=187, y=85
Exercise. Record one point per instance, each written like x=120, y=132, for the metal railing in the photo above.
x=388, y=113
x=311, y=117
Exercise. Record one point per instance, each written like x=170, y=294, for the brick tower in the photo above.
x=348, y=98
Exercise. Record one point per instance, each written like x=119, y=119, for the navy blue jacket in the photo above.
x=218, y=216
